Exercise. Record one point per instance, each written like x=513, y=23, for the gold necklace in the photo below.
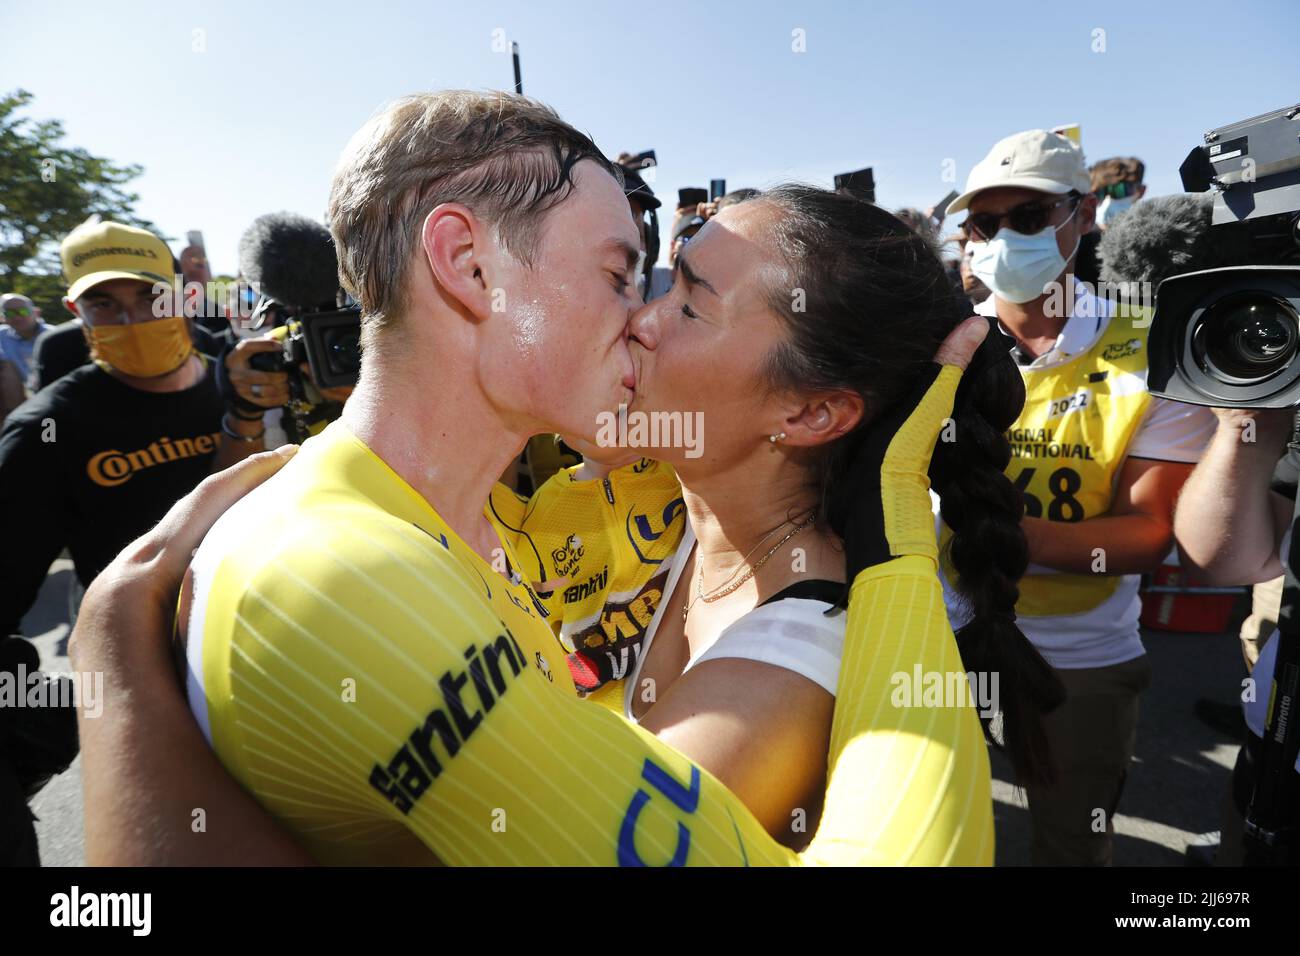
x=719, y=593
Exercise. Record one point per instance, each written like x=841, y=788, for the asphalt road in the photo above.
x=1173, y=793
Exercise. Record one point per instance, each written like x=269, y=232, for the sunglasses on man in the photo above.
x=21, y=311
x=1117, y=190
x=1026, y=219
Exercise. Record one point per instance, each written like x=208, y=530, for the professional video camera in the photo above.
x=329, y=342
x=291, y=261
x=1230, y=337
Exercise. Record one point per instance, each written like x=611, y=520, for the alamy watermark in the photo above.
x=947, y=689
x=21, y=688
x=213, y=300
x=624, y=429
x=1136, y=298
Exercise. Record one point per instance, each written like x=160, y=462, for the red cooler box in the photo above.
x=1170, y=605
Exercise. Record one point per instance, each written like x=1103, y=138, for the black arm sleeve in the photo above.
x=33, y=529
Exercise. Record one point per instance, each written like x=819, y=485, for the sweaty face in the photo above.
x=560, y=356
x=702, y=347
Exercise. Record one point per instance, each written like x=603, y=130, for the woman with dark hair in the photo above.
x=815, y=334
x=798, y=317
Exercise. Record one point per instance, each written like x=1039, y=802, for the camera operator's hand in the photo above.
x=1271, y=427
x=1229, y=523
x=707, y=210
x=264, y=389
x=339, y=393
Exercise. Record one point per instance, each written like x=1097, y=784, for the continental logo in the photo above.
x=81, y=257
x=113, y=467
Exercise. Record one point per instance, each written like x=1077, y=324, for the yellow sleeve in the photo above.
x=377, y=706
x=908, y=785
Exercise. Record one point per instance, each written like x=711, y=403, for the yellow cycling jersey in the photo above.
x=610, y=539
x=1067, y=447
x=387, y=697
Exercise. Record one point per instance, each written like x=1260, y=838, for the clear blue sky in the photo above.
x=255, y=121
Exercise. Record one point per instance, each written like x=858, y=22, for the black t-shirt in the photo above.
x=90, y=464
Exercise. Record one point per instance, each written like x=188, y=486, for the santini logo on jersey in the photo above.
x=113, y=467
x=593, y=585
x=415, y=766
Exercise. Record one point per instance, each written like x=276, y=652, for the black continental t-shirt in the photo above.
x=90, y=464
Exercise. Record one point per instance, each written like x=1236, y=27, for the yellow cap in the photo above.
x=97, y=252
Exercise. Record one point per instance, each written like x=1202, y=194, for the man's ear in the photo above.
x=459, y=250
x=823, y=418
x=1087, y=214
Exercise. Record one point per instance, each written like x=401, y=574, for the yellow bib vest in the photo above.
x=1067, y=447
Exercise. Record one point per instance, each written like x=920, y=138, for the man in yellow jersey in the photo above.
x=495, y=303
x=599, y=537
x=1100, y=463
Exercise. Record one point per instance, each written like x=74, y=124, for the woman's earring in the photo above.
x=775, y=438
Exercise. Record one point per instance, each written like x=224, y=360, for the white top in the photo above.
x=1170, y=431
x=794, y=633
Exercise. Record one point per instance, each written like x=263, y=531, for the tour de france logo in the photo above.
x=567, y=556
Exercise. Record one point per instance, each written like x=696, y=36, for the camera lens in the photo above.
x=344, y=348
x=1248, y=338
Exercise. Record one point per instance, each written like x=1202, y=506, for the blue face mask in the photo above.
x=1018, y=267
x=1111, y=208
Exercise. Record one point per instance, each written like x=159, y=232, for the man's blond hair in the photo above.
x=508, y=158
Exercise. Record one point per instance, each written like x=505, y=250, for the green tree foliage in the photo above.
x=49, y=188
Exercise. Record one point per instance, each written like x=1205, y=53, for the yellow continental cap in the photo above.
x=97, y=252
x=1034, y=159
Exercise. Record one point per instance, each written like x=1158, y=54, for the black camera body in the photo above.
x=329, y=342
x=1231, y=337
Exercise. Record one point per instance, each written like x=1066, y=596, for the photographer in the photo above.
x=1099, y=463
x=257, y=416
x=1232, y=518
x=271, y=390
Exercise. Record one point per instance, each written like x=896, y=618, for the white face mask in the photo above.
x=1110, y=208
x=1017, y=267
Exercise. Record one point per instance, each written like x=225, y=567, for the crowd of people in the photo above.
x=458, y=626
